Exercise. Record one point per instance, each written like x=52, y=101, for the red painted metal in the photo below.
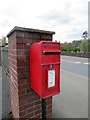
x=45, y=68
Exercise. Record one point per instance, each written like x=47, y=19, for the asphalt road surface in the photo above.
x=75, y=65
x=72, y=102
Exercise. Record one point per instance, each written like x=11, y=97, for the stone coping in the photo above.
x=23, y=29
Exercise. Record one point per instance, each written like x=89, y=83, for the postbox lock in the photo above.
x=51, y=66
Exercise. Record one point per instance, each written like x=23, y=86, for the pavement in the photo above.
x=72, y=102
x=4, y=94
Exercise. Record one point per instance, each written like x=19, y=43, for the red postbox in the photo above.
x=45, y=68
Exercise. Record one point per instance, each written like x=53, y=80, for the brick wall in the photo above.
x=76, y=54
x=25, y=102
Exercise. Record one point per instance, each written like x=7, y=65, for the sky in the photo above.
x=67, y=18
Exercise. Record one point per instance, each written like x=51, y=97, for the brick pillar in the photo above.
x=25, y=102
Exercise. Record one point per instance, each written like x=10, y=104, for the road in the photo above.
x=75, y=65
x=72, y=102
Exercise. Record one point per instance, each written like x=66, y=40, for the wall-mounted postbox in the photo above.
x=45, y=68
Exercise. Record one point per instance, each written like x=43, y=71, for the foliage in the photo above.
x=85, y=35
x=69, y=47
x=3, y=41
x=85, y=46
x=76, y=46
x=66, y=47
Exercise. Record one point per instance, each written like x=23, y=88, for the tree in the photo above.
x=67, y=47
x=3, y=41
x=85, y=46
x=85, y=35
x=76, y=45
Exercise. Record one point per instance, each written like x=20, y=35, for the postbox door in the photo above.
x=51, y=79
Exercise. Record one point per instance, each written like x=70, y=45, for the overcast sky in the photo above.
x=68, y=18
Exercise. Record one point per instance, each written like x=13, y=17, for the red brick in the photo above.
x=21, y=81
x=38, y=107
x=49, y=106
x=49, y=110
x=49, y=115
x=30, y=115
x=21, y=52
x=23, y=40
x=21, y=70
x=22, y=113
x=49, y=100
x=38, y=111
x=24, y=107
x=31, y=99
x=37, y=102
x=22, y=102
x=25, y=102
x=22, y=63
x=20, y=34
x=22, y=92
x=21, y=76
x=30, y=110
x=23, y=86
x=20, y=46
x=32, y=35
x=37, y=116
x=23, y=97
x=46, y=37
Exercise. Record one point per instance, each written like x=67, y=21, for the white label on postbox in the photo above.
x=51, y=78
